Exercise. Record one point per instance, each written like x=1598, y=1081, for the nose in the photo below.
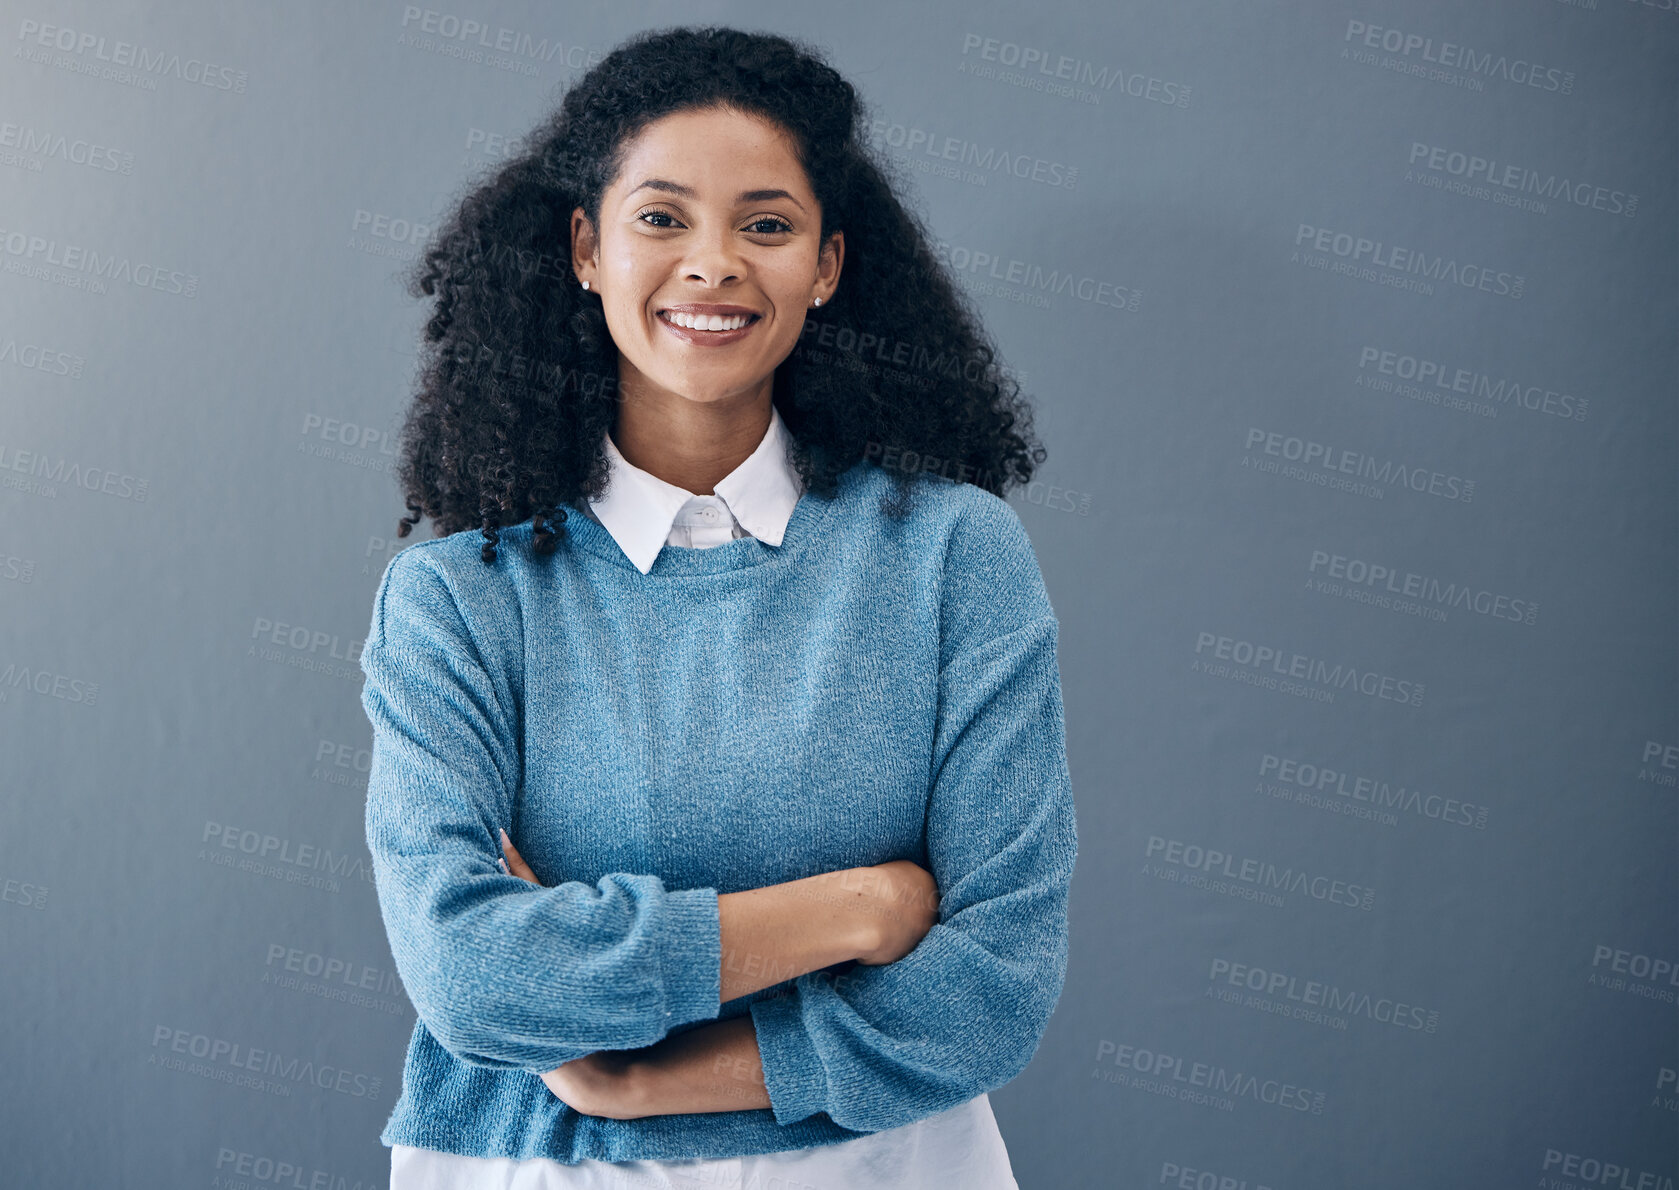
x=712, y=258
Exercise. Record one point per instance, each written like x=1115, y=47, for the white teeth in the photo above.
x=706, y=322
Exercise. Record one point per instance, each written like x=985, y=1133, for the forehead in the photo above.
x=716, y=151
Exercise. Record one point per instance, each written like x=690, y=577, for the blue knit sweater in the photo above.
x=740, y=716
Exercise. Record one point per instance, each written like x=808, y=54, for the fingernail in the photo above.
x=505, y=840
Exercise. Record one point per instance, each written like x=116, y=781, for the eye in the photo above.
x=777, y=225
x=657, y=214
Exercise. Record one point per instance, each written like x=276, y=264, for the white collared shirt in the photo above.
x=961, y=1147
x=644, y=513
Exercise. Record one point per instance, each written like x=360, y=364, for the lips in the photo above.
x=701, y=314
x=706, y=308
x=708, y=338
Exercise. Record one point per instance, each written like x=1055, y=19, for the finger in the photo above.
x=516, y=863
x=519, y=868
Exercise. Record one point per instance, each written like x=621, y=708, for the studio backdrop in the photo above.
x=1351, y=332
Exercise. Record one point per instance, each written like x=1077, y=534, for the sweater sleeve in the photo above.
x=879, y=1046
x=500, y=972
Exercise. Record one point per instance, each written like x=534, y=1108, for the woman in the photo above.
x=724, y=829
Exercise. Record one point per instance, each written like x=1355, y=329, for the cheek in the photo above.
x=792, y=290
x=629, y=273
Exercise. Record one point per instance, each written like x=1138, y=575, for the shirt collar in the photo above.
x=639, y=508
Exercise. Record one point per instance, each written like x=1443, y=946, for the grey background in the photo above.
x=203, y=363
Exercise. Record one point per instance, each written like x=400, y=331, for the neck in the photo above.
x=689, y=443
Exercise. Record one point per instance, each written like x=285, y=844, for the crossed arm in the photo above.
x=779, y=931
x=601, y=981
x=714, y=1067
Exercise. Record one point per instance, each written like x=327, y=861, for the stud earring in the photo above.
x=585, y=285
x=818, y=301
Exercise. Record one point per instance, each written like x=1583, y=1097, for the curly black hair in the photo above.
x=517, y=376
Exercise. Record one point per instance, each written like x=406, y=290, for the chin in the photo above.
x=709, y=391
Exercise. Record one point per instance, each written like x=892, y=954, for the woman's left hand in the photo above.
x=596, y=1084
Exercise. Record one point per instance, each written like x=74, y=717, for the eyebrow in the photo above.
x=690, y=192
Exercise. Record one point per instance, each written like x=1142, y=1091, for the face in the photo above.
x=710, y=208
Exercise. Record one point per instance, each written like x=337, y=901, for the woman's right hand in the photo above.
x=902, y=905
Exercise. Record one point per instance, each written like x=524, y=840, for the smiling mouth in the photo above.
x=708, y=323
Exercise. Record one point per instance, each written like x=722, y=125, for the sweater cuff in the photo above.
x=691, y=956
x=793, y=1072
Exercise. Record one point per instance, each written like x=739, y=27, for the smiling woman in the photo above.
x=692, y=168
x=685, y=267
x=719, y=806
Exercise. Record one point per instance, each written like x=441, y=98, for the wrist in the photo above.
x=713, y=1068
x=869, y=931
x=854, y=925
x=633, y=1090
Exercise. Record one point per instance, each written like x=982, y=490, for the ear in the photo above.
x=585, y=247
x=828, y=264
